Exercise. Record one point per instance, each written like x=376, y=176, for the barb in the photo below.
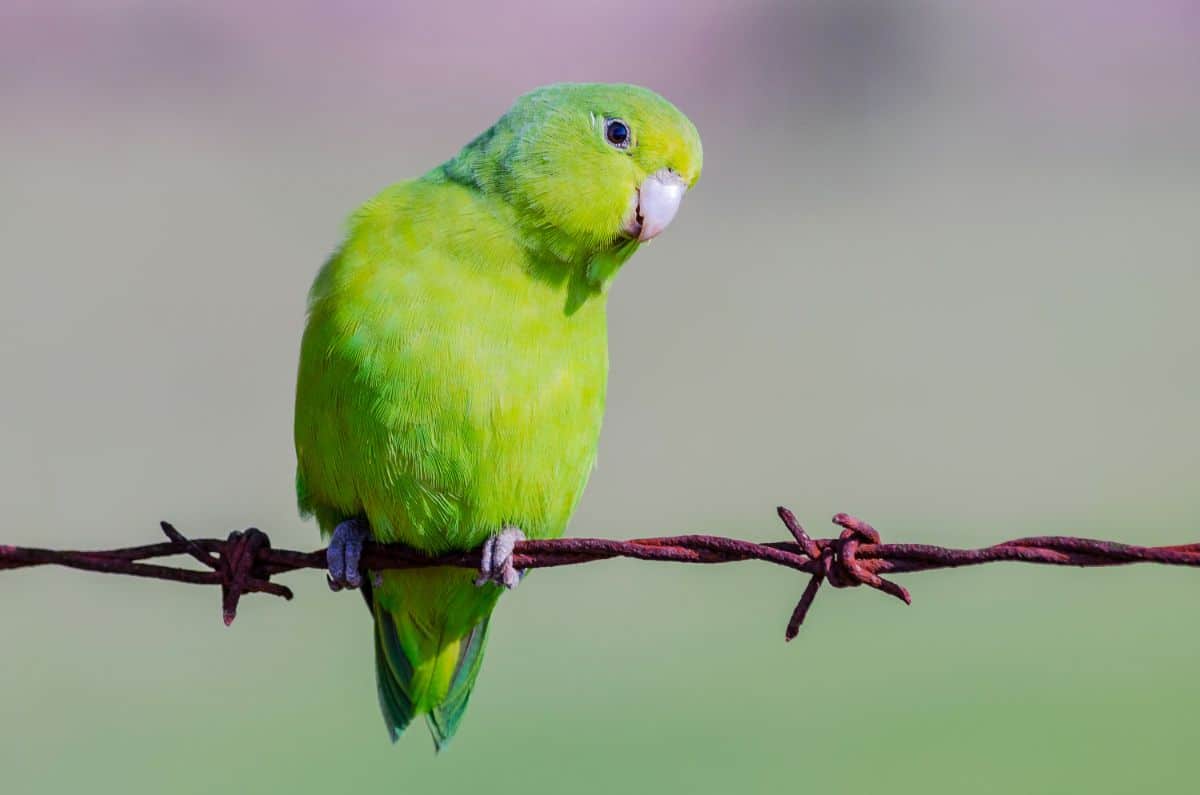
x=245, y=561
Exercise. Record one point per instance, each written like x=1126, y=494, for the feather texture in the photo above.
x=453, y=368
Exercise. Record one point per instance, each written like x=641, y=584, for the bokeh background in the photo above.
x=942, y=271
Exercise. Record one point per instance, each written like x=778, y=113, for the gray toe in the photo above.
x=344, y=553
x=495, y=563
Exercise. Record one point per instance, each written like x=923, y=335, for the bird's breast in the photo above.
x=493, y=410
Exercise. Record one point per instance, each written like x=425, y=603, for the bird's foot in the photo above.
x=496, y=563
x=344, y=551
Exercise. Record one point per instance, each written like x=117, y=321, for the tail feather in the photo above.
x=421, y=668
x=391, y=678
x=443, y=719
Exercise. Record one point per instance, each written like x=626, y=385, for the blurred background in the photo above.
x=942, y=272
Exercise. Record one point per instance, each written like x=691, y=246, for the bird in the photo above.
x=454, y=363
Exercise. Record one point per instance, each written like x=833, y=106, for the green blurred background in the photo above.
x=942, y=272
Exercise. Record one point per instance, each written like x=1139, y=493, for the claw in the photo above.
x=496, y=563
x=343, y=554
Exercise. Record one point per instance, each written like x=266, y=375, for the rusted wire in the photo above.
x=245, y=561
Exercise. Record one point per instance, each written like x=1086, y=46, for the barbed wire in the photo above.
x=245, y=561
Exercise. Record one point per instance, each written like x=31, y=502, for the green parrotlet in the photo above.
x=453, y=367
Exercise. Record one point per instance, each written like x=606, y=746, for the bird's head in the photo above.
x=596, y=168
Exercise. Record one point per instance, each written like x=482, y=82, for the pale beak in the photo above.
x=657, y=201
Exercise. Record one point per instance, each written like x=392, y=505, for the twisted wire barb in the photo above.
x=245, y=561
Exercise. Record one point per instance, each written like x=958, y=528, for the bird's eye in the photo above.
x=617, y=133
